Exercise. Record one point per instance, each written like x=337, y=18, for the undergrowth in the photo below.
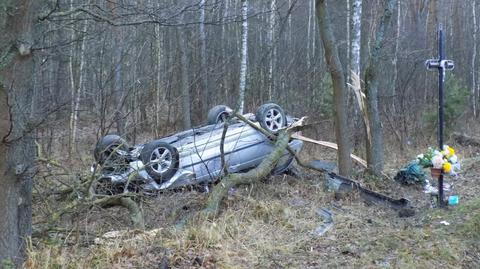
x=271, y=225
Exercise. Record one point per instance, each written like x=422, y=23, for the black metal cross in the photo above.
x=441, y=65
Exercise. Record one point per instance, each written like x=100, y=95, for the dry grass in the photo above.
x=270, y=225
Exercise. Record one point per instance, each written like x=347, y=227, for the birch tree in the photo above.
x=273, y=51
x=76, y=88
x=356, y=34
x=243, y=57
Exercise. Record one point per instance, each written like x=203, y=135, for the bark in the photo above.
x=356, y=33
x=474, y=56
x=339, y=88
x=349, y=40
x=17, y=150
x=272, y=47
x=395, y=56
x=309, y=27
x=135, y=213
x=185, y=84
x=243, y=57
x=159, y=80
x=224, y=45
x=76, y=91
x=375, y=145
x=205, y=93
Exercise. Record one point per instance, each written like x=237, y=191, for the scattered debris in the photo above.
x=446, y=223
x=327, y=221
x=344, y=185
x=453, y=200
x=412, y=173
x=323, y=165
x=126, y=236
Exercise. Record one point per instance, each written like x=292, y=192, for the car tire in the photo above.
x=161, y=160
x=271, y=117
x=107, y=149
x=217, y=114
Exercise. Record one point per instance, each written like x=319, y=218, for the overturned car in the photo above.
x=192, y=156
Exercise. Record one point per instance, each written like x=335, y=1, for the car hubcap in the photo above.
x=160, y=160
x=274, y=119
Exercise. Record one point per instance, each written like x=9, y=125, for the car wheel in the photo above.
x=111, y=148
x=160, y=159
x=271, y=117
x=217, y=114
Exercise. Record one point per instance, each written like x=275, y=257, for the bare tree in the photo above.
x=339, y=88
x=243, y=57
x=372, y=81
x=356, y=33
x=203, y=59
x=182, y=40
x=473, y=98
x=273, y=51
x=76, y=88
x=17, y=150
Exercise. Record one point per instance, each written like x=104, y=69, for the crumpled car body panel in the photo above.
x=200, y=158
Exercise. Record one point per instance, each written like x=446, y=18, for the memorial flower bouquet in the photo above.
x=445, y=161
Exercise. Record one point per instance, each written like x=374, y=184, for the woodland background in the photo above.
x=73, y=71
x=121, y=74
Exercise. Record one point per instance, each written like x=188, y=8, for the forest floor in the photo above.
x=272, y=224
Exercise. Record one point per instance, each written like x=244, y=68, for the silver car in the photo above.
x=193, y=156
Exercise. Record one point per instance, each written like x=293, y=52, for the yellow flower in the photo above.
x=451, y=152
x=447, y=167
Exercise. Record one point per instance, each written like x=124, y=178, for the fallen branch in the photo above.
x=261, y=171
x=136, y=215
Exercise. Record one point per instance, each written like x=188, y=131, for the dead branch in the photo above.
x=136, y=215
x=87, y=197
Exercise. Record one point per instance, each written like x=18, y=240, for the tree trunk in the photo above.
x=356, y=33
x=158, y=52
x=243, y=57
x=17, y=150
x=187, y=123
x=206, y=94
x=272, y=47
x=375, y=145
x=474, y=56
x=76, y=91
x=339, y=88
